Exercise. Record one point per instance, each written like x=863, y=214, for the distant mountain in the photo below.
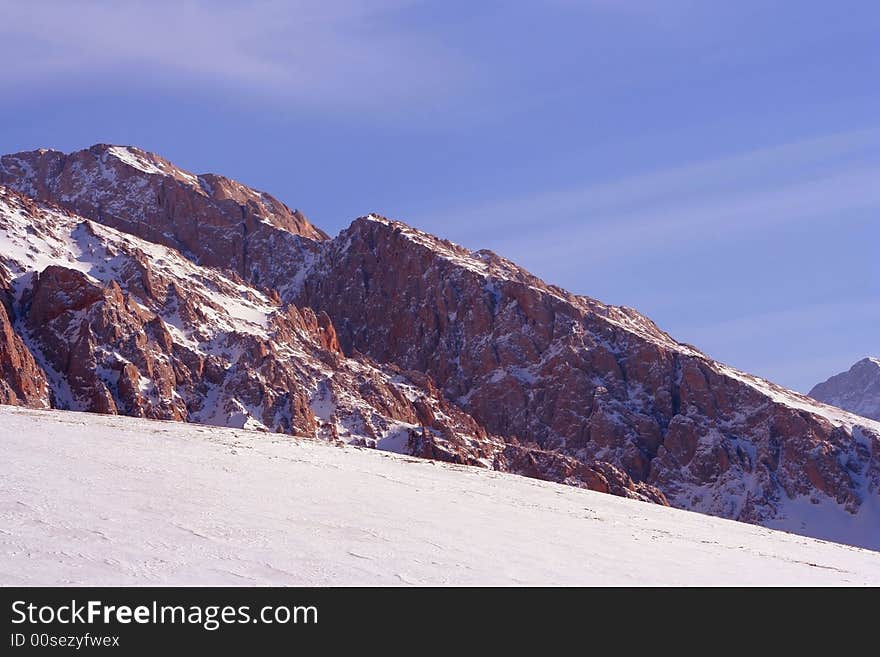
x=857, y=390
x=131, y=286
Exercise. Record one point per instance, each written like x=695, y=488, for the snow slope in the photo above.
x=87, y=499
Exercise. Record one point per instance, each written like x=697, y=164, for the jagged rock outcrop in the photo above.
x=532, y=461
x=856, y=390
x=131, y=327
x=22, y=380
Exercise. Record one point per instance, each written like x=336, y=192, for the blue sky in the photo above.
x=714, y=164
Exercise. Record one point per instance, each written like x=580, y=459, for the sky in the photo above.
x=715, y=165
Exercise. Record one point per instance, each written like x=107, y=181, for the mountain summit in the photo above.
x=215, y=220
x=131, y=286
x=857, y=390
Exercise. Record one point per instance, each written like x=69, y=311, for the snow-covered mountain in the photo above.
x=131, y=286
x=857, y=390
x=97, y=319
x=98, y=500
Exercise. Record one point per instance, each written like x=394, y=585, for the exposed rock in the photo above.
x=22, y=380
x=216, y=221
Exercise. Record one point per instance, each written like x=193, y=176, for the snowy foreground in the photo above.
x=108, y=500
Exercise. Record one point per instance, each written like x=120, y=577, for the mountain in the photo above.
x=138, y=288
x=857, y=390
x=593, y=381
x=100, y=320
x=151, y=503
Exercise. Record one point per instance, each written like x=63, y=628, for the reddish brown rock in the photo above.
x=22, y=380
x=531, y=461
x=217, y=221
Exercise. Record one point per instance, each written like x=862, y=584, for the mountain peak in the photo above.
x=214, y=220
x=857, y=390
x=139, y=159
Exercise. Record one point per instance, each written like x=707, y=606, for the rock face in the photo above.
x=152, y=292
x=216, y=221
x=132, y=327
x=22, y=380
x=585, y=380
x=857, y=390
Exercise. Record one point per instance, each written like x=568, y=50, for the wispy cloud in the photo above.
x=823, y=177
x=315, y=53
x=816, y=316
x=705, y=220
x=818, y=340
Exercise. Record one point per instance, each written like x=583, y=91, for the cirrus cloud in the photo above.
x=313, y=53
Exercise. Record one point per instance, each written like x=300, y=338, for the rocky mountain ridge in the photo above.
x=297, y=332
x=102, y=321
